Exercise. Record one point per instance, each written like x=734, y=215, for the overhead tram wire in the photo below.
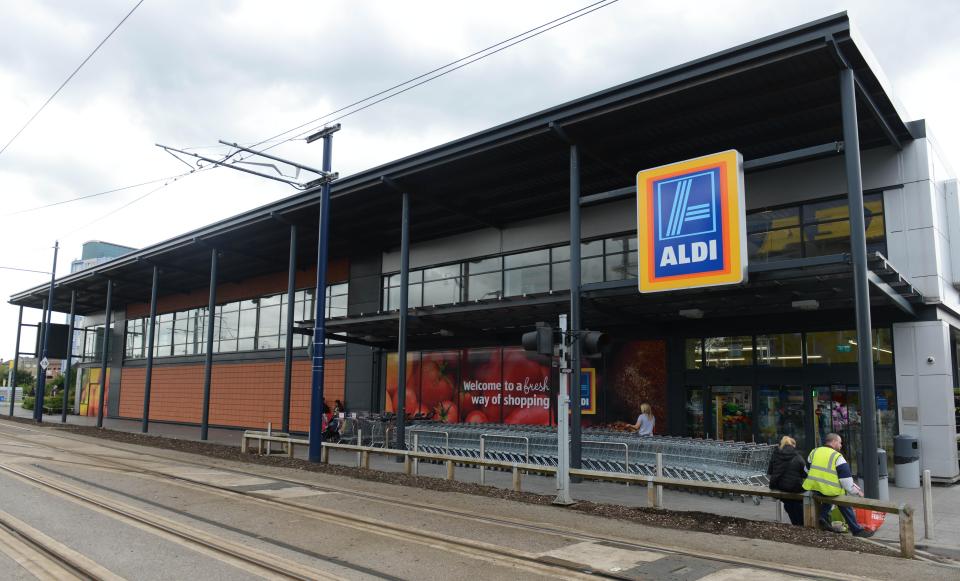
x=64, y=83
x=88, y=196
x=526, y=35
x=426, y=77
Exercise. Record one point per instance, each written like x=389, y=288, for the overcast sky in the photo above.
x=189, y=72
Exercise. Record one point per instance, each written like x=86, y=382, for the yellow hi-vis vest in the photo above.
x=822, y=475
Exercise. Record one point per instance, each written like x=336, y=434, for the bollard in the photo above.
x=449, y=469
x=407, y=465
x=324, y=454
x=651, y=493
x=907, y=548
x=779, y=511
x=927, y=506
x=416, y=450
x=269, y=434
x=482, y=474
x=659, y=475
x=359, y=443
x=516, y=478
x=365, y=460
x=809, y=510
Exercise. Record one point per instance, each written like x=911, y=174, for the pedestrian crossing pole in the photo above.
x=563, y=420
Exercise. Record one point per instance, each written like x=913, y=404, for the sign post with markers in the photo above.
x=691, y=224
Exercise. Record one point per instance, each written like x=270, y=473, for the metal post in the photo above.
x=105, y=356
x=319, y=297
x=659, y=475
x=858, y=250
x=208, y=359
x=41, y=329
x=288, y=346
x=575, y=322
x=151, y=334
x=404, y=304
x=69, y=362
x=563, y=419
x=16, y=361
x=42, y=373
x=927, y=506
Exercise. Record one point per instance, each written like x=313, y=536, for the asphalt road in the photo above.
x=144, y=513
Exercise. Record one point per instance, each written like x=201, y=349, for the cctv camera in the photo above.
x=930, y=359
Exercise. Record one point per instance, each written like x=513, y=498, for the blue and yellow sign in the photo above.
x=691, y=223
x=588, y=391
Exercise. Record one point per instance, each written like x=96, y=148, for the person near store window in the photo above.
x=645, y=421
x=787, y=471
x=828, y=474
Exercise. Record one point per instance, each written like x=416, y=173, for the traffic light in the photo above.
x=539, y=340
x=593, y=343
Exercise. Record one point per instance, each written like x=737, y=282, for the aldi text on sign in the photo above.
x=691, y=223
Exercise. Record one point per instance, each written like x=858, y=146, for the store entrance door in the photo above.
x=732, y=412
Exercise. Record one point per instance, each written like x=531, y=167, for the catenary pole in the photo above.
x=151, y=330
x=16, y=361
x=42, y=372
x=319, y=298
x=575, y=323
x=858, y=250
x=401, y=403
x=208, y=355
x=69, y=362
x=288, y=345
x=105, y=356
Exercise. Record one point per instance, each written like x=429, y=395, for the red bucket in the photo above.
x=869, y=519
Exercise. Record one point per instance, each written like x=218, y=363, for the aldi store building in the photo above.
x=489, y=224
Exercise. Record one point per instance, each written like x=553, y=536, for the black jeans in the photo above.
x=794, y=510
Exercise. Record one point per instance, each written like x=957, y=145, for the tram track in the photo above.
x=114, y=463
x=45, y=558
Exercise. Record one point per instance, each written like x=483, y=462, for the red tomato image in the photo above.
x=411, y=405
x=438, y=377
x=388, y=406
x=528, y=416
x=476, y=417
x=446, y=412
x=393, y=377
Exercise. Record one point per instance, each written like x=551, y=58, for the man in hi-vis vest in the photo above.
x=828, y=474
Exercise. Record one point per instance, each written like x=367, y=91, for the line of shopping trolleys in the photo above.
x=697, y=459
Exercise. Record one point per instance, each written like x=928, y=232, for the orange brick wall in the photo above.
x=241, y=394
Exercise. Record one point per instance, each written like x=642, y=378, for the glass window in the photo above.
x=695, y=411
x=484, y=286
x=485, y=265
x=268, y=328
x=765, y=220
x=534, y=279
x=784, y=350
x=882, y=346
x=774, y=244
x=527, y=258
x=559, y=253
x=560, y=276
x=729, y=351
x=594, y=248
x=780, y=412
x=732, y=412
x=442, y=292
x=837, y=209
x=831, y=347
x=591, y=270
x=441, y=272
x=621, y=266
x=827, y=238
x=694, y=353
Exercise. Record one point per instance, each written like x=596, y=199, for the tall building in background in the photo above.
x=97, y=252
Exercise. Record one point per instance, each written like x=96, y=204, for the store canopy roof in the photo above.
x=772, y=96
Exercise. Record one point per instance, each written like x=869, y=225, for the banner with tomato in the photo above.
x=486, y=385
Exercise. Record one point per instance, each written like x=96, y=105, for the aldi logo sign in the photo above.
x=691, y=223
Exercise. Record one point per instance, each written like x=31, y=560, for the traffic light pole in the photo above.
x=563, y=420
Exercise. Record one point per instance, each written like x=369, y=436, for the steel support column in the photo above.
x=69, y=361
x=401, y=403
x=208, y=359
x=16, y=361
x=320, y=311
x=858, y=251
x=288, y=346
x=48, y=316
x=105, y=356
x=575, y=322
x=151, y=333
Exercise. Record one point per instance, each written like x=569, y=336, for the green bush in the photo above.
x=53, y=404
x=27, y=403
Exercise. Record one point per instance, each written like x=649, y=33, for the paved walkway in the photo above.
x=946, y=499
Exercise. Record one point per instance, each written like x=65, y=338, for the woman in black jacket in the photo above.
x=787, y=471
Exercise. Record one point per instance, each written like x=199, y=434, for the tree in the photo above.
x=25, y=379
